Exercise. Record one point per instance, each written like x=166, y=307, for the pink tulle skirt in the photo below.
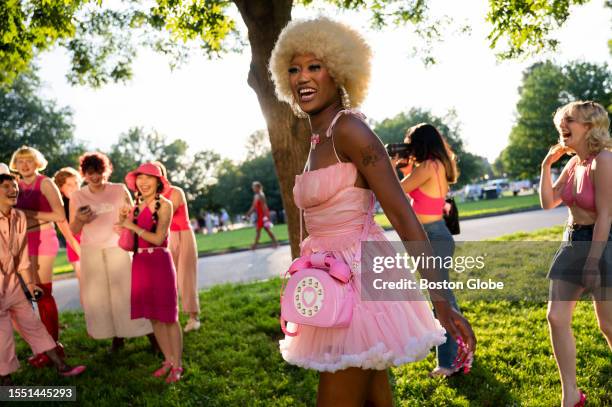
x=381, y=334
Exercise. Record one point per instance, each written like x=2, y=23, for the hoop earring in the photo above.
x=299, y=113
x=344, y=97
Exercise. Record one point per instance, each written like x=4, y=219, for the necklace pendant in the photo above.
x=314, y=140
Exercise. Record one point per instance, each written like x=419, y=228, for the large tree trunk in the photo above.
x=288, y=135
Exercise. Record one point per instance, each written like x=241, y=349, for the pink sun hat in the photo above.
x=148, y=169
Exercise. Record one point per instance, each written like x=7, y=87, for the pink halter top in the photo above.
x=584, y=197
x=423, y=204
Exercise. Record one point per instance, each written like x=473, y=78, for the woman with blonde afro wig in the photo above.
x=322, y=69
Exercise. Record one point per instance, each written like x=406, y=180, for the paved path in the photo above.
x=268, y=262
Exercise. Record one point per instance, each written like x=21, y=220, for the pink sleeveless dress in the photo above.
x=381, y=333
x=154, y=294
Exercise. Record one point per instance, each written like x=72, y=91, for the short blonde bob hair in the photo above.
x=592, y=113
x=344, y=52
x=28, y=152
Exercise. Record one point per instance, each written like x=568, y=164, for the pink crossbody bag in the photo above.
x=318, y=292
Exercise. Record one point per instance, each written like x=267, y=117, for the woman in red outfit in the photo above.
x=260, y=208
x=42, y=203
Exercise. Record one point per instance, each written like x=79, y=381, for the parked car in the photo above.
x=472, y=192
x=520, y=185
x=502, y=183
x=491, y=192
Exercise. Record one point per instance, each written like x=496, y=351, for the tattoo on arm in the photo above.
x=369, y=156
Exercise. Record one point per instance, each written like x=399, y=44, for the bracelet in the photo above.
x=140, y=232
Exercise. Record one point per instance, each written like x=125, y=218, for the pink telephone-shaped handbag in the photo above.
x=318, y=292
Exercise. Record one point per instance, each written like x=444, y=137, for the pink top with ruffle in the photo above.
x=381, y=333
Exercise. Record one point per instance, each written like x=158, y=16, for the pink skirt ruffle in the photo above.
x=381, y=334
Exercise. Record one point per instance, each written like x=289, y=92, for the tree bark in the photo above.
x=288, y=135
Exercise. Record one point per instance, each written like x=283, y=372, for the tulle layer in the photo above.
x=390, y=334
x=381, y=334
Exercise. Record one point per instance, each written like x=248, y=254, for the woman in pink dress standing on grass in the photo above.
x=154, y=288
x=320, y=68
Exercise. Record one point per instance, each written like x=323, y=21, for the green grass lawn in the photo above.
x=237, y=239
x=234, y=360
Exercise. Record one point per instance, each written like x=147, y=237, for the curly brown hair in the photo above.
x=95, y=162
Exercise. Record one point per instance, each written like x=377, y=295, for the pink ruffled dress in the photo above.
x=381, y=333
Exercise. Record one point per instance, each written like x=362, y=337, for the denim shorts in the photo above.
x=569, y=260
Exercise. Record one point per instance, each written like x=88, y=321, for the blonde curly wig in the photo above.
x=598, y=136
x=343, y=51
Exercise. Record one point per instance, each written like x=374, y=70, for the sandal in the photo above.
x=443, y=372
x=163, y=370
x=192, y=325
x=175, y=375
x=582, y=400
x=70, y=371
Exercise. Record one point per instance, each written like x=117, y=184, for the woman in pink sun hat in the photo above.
x=154, y=286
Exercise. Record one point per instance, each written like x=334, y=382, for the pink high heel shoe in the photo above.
x=582, y=400
x=72, y=371
x=174, y=375
x=163, y=370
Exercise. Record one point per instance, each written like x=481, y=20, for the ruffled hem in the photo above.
x=378, y=357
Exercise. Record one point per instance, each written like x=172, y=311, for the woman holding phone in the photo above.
x=105, y=278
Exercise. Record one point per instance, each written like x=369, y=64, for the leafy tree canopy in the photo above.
x=28, y=119
x=545, y=87
x=102, y=40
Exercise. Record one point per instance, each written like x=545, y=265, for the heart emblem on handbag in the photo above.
x=309, y=296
